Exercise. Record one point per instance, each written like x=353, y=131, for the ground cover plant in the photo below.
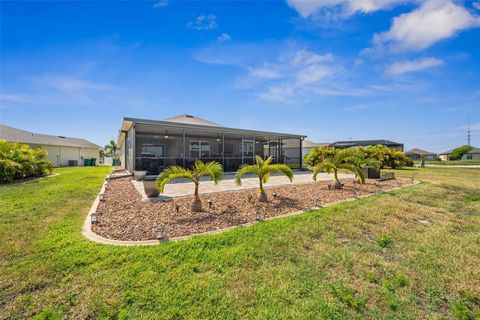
x=321, y=264
x=19, y=161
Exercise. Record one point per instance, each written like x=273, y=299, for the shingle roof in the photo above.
x=419, y=152
x=364, y=143
x=474, y=150
x=17, y=135
x=189, y=119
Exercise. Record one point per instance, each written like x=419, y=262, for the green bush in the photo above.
x=387, y=157
x=458, y=153
x=18, y=161
x=318, y=155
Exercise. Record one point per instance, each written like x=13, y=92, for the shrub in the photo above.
x=318, y=155
x=18, y=161
x=387, y=157
x=458, y=153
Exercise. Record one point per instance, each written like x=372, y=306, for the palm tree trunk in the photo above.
x=197, y=203
x=336, y=183
x=262, y=196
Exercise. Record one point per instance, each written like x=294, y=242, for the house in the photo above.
x=473, y=154
x=415, y=154
x=444, y=155
x=290, y=148
x=151, y=145
x=366, y=143
x=61, y=151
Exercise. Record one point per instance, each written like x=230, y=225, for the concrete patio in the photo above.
x=181, y=188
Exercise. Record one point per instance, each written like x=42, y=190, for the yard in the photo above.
x=410, y=253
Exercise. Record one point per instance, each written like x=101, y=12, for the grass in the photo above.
x=453, y=162
x=322, y=264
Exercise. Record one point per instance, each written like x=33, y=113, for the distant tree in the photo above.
x=458, y=153
x=111, y=148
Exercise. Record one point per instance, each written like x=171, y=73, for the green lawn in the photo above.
x=453, y=162
x=370, y=258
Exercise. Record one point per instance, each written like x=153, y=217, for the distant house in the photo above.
x=473, y=154
x=444, y=155
x=415, y=154
x=366, y=143
x=62, y=151
x=290, y=149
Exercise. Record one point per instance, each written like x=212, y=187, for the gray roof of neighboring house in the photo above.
x=305, y=144
x=474, y=151
x=17, y=135
x=189, y=119
x=420, y=152
x=365, y=143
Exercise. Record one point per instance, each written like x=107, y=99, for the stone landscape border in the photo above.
x=90, y=235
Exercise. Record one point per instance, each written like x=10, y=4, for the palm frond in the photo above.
x=174, y=172
x=215, y=171
x=283, y=169
x=252, y=169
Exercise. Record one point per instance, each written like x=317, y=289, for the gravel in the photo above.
x=122, y=215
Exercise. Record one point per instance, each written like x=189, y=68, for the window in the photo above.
x=152, y=150
x=469, y=157
x=200, y=149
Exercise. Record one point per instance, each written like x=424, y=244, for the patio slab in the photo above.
x=183, y=188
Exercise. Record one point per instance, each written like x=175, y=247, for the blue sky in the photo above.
x=405, y=70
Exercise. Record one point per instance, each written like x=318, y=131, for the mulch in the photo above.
x=122, y=215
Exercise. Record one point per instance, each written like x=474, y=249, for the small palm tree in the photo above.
x=112, y=148
x=347, y=159
x=212, y=169
x=262, y=169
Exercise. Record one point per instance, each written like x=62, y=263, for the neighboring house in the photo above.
x=473, y=154
x=415, y=154
x=366, y=143
x=290, y=149
x=151, y=145
x=444, y=155
x=61, y=151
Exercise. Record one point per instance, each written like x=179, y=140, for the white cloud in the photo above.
x=341, y=8
x=433, y=21
x=406, y=66
x=203, y=22
x=264, y=73
x=71, y=84
x=224, y=37
x=13, y=97
x=161, y=4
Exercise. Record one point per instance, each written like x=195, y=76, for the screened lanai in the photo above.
x=149, y=145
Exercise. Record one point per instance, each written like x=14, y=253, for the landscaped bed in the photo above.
x=122, y=215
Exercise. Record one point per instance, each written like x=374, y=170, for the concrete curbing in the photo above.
x=90, y=235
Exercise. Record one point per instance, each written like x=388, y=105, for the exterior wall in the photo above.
x=89, y=153
x=471, y=156
x=53, y=154
x=443, y=157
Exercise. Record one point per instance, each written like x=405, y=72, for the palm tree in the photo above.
x=112, y=148
x=347, y=159
x=212, y=169
x=262, y=169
